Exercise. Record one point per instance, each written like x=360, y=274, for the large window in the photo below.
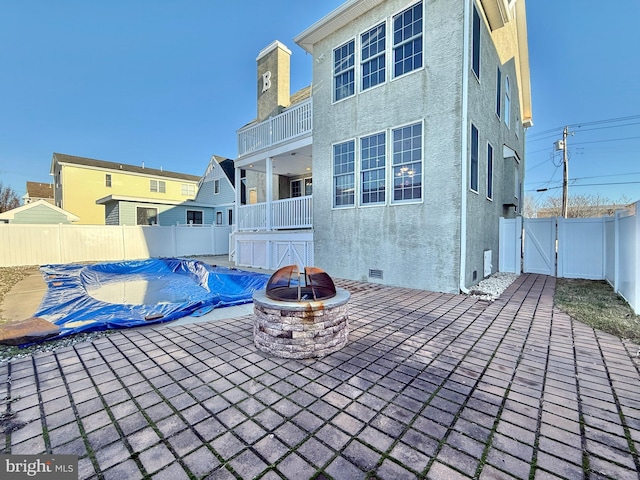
x=344, y=71
x=407, y=162
x=298, y=188
x=344, y=174
x=146, y=216
x=407, y=40
x=473, y=174
x=372, y=168
x=489, y=171
x=157, y=186
x=194, y=217
x=373, y=45
x=475, y=60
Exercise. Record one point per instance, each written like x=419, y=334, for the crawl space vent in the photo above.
x=373, y=273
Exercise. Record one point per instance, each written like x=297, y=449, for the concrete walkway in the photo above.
x=429, y=386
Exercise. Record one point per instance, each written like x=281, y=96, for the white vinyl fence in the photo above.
x=604, y=248
x=44, y=244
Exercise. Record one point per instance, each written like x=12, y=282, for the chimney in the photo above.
x=274, y=68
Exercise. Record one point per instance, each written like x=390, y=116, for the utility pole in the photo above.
x=565, y=181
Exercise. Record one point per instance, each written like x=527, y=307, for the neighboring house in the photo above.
x=79, y=182
x=419, y=118
x=38, y=212
x=275, y=211
x=38, y=191
x=213, y=204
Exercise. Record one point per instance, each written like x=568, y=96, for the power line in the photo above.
x=582, y=124
x=584, y=185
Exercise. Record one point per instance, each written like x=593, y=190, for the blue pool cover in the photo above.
x=140, y=292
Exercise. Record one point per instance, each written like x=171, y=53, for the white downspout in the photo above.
x=464, y=144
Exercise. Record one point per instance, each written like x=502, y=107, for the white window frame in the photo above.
x=507, y=102
x=361, y=170
x=216, y=186
x=392, y=165
x=157, y=186
x=393, y=45
x=476, y=46
x=219, y=218
x=380, y=54
x=108, y=181
x=186, y=214
x=490, y=168
x=474, y=151
x=304, y=181
x=349, y=68
x=499, y=94
x=188, y=190
x=335, y=176
x=157, y=222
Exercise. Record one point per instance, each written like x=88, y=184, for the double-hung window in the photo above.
x=372, y=168
x=373, y=58
x=344, y=71
x=188, y=189
x=107, y=180
x=407, y=162
x=507, y=102
x=158, y=186
x=344, y=174
x=194, y=217
x=407, y=40
x=473, y=174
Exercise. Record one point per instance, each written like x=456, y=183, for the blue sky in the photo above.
x=168, y=83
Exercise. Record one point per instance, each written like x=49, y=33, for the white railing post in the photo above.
x=636, y=221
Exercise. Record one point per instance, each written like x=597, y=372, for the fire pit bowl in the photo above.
x=300, y=316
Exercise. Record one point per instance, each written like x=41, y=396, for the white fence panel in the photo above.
x=42, y=244
x=610, y=262
x=628, y=277
x=510, y=245
x=540, y=245
x=581, y=248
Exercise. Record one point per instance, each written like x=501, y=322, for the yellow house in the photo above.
x=79, y=182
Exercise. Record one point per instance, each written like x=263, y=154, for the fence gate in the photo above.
x=539, y=246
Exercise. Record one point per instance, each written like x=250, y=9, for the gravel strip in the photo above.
x=492, y=287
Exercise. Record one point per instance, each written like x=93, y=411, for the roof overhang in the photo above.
x=332, y=22
x=125, y=198
x=498, y=12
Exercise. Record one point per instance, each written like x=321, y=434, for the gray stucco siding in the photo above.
x=482, y=215
x=415, y=245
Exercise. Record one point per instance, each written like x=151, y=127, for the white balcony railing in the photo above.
x=287, y=213
x=291, y=123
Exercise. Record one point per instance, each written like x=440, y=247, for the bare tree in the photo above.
x=8, y=198
x=580, y=206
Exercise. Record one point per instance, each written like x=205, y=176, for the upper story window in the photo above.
x=407, y=40
x=407, y=162
x=188, y=190
x=473, y=174
x=107, y=180
x=507, y=102
x=158, y=186
x=373, y=58
x=372, y=168
x=344, y=71
x=499, y=93
x=344, y=174
x=216, y=186
x=475, y=60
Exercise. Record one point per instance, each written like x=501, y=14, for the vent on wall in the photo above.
x=373, y=273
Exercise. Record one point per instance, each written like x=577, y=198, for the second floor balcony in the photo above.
x=295, y=122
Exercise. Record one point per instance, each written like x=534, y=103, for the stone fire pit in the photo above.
x=305, y=328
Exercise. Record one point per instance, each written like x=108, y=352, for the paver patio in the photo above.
x=429, y=386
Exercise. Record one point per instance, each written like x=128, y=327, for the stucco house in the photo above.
x=38, y=212
x=79, y=182
x=212, y=205
x=419, y=112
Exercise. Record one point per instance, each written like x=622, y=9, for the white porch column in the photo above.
x=269, y=193
x=238, y=184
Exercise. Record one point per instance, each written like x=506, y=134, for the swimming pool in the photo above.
x=103, y=296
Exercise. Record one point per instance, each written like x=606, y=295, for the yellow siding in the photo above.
x=82, y=186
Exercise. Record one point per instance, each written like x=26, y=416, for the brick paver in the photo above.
x=430, y=385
